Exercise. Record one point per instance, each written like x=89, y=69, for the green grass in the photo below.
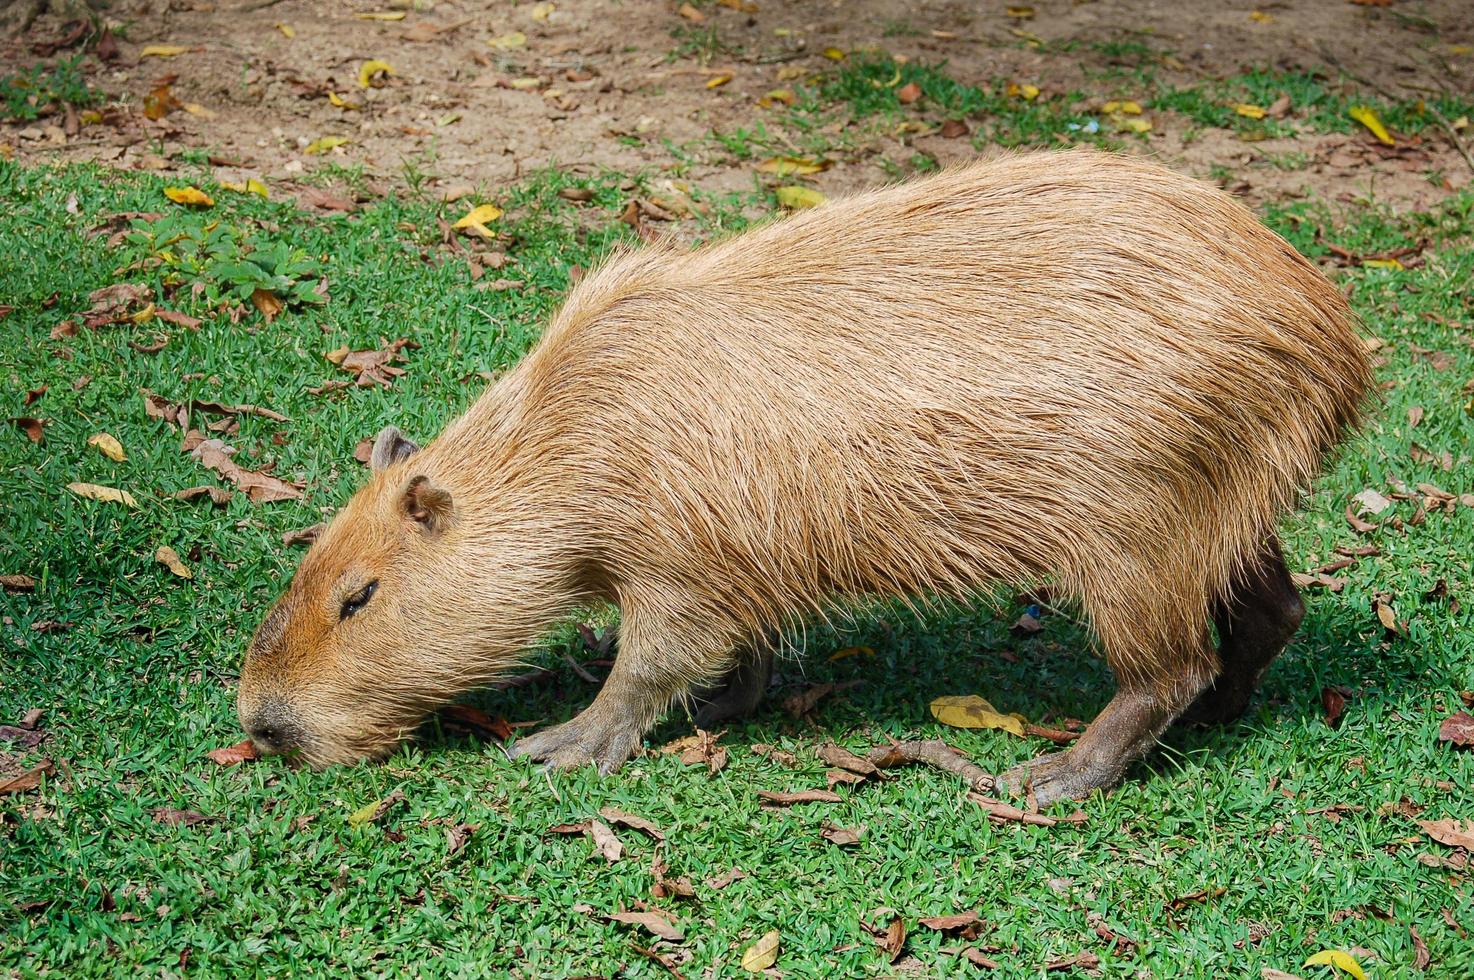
x=140, y=685
x=43, y=88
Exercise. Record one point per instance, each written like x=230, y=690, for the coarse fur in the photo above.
x=1070, y=366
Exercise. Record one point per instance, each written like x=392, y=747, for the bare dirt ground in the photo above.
x=594, y=84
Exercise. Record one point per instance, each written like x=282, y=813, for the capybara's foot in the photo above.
x=739, y=694
x=588, y=738
x=1058, y=776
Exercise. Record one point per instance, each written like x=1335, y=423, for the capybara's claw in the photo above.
x=1054, y=776
x=578, y=743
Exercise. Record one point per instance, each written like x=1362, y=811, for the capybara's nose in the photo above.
x=272, y=729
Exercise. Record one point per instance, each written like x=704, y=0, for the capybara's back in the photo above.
x=1072, y=367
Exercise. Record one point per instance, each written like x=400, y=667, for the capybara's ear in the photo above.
x=390, y=447
x=428, y=504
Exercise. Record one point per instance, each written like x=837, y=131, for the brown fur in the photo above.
x=1067, y=366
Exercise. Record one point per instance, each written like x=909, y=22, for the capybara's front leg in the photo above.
x=642, y=684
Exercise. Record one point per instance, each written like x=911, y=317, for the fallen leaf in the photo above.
x=1338, y=960
x=33, y=428
x=1334, y=702
x=302, y=535
x=373, y=812
x=841, y=836
x=1372, y=501
x=799, y=796
x=476, y=721
x=833, y=54
x=457, y=836
x=17, y=583
x=1368, y=117
x=1017, y=90
x=953, y=129
x=231, y=755
x=93, y=491
x=169, y=558
x=162, y=51
x=262, y=488
x=477, y=218
x=267, y=302
x=617, y=816
x=975, y=956
x=1357, y=524
x=1250, y=111
x=381, y=15
x=217, y=495
x=28, y=780
x=800, y=704
x=843, y=758
x=108, y=446
x=287, y=30
x=506, y=42
x=606, y=840
x=908, y=93
x=951, y=923
x=31, y=718
x=1128, y=107
x=372, y=367
x=374, y=73
x=1133, y=125
x=1457, y=729
x=189, y=195
x=1260, y=16
x=542, y=11
x=179, y=818
x=717, y=81
x=1450, y=832
x=971, y=711
x=718, y=882
x=1421, y=956
x=784, y=166
x=251, y=186
x=653, y=922
x=1386, y=615
x=776, y=97
x=690, y=13
x=797, y=198
x=325, y=143
x=1084, y=960
x=762, y=954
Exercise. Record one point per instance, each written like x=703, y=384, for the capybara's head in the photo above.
x=333, y=673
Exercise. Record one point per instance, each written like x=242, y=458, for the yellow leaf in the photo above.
x=108, y=446
x=195, y=109
x=761, y=954
x=1260, y=16
x=1251, y=111
x=798, y=198
x=91, y=117
x=1029, y=92
x=542, y=11
x=1338, y=960
x=107, y=494
x=381, y=15
x=1127, y=106
x=778, y=96
x=783, y=166
x=144, y=315
x=256, y=187
x=526, y=83
x=851, y=652
x=834, y=54
x=369, y=72
x=476, y=220
x=363, y=814
x=1386, y=615
x=287, y=30
x=1460, y=123
x=1021, y=13
x=1383, y=264
x=506, y=42
x=717, y=81
x=168, y=557
x=971, y=711
x=448, y=118
x=1461, y=49
x=341, y=102
x=1134, y=125
x=162, y=51
x=1368, y=117
x=325, y=143
x=189, y=195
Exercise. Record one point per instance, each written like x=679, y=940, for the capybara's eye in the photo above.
x=357, y=600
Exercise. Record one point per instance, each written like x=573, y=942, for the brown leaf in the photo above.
x=326, y=200
x=619, y=817
x=27, y=781
x=1457, y=729
x=908, y=93
x=718, y=882
x=179, y=818
x=231, y=755
x=1421, y=956
x=1450, y=832
x=476, y=721
x=799, y=796
x=260, y=487
x=267, y=302
x=653, y=922
x=170, y=559
x=1386, y=615
x=34, y=395
x=841, y=836
x=217, y=495
x=21, y=737
x=951, y=923
x=31, y=718
x=954, y=128
x=1357, y=524
x=605, y=839
x=1000, y=812
x=800, y=704
x=372, y=367
x=1334, y=702
x=178, y=319
x=32, y=427
x=364, y=451
x=1084, y=961
x=457, y=836
x=892, y=938
x=17, y=583
x=220, y=408
x=975, y=956
x=843, y=758
x=701, y=749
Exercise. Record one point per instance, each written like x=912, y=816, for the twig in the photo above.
x=934, y=752
x=1438, y=117
x=521, y=680
x=1056, y=735
x=578, y=669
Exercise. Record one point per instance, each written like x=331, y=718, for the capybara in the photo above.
x=1071, y=368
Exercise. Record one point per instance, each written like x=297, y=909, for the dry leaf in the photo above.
x=217, y=495
x=1372, y=501
x=762, y=954
x=1451, y=832
x=260, y=487
x=477, y=218
x=374, y=73
x=690, y=13
x=162, y=51
x=189, y=195
x=372, y=812
x=169, y=558
x=230, y=755
x=908, y=93
x=1250, y=111
x=476, y=721
x=616, y=816
x=33, y=428
x=542, y=11
x=799, y=796
x=971, y=711
x=796, y=198
x=17, y=583
x=841, y=836
x=372, y=367
x=717, y=81
x=179, y=818
x=1338, y=960
x=654, y=922
x=1025, y=91
x=325, y=143
x=951, y=923
x=506, y=42
x=108, y=445
x=777, y=96
x=381, y=15
x=267, y=302
x=107, y=494
x=287, y=30
x=27, y=781
x=784, y=166
x=1457, y=729
x=1368, y=117
x=607, y=842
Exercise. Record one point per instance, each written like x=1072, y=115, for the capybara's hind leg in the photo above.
x=1155, y=681
x=1254, y=626
x=640, y=687
x=738, y=693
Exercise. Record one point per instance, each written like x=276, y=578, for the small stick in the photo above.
x=1056, y=735
x=578, y=669
x=934, y=752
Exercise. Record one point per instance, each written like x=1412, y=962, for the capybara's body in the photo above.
x=1072, y=367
